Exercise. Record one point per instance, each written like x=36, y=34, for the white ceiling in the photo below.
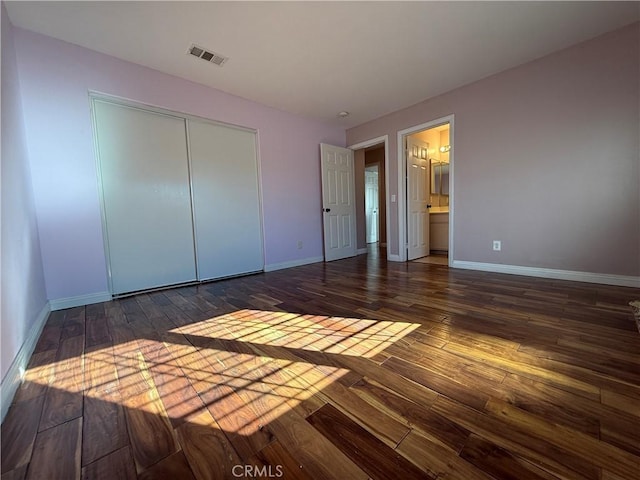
x=318, y=58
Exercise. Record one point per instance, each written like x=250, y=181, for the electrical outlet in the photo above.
x=497, y=245
x=300, y=244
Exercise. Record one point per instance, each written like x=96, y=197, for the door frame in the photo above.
x=370, y=143
x=402, y=184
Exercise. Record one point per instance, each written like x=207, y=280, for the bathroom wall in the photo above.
x=444, y=140
x=435, y=138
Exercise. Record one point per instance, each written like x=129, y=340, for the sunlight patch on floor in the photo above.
x=344, y=336
x=245, y=367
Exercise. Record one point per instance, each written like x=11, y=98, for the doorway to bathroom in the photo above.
x=426, y=182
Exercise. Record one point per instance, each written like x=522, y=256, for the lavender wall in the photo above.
x=22, y=293
x=56, y=77
x=546, y=159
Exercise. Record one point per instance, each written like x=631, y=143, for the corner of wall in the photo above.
x=23, y=299
x=13, y=378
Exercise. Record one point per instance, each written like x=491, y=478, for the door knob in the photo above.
x=326, y=209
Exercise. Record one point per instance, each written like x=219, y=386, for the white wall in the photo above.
x=23, y=300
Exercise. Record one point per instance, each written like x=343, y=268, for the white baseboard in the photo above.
x=293, y=263
x=394, y=258
x=604, y=278
x=13, y=378
x=362, y=251
x=62, y=303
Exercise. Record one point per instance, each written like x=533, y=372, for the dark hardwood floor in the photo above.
x=353, y=369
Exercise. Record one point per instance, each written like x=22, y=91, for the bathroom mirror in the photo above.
x=439, y=177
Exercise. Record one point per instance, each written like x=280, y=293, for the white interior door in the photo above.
x=417, y=198
x=338, y=202
x=226, y=201
x=146, y=198
x=371, y=203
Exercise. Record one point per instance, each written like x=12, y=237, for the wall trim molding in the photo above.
x=588, y=277
x=69, y=302
x=394, y=258
x=292, y=263
x=362, y=251
x=13, y=378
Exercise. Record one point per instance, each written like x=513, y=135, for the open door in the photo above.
x=417, y=198
x=338, y=202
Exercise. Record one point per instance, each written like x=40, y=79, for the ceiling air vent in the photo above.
x=207, y=55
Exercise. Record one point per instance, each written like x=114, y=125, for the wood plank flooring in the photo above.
x=354, y=369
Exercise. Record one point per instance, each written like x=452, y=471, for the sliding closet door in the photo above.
x=225, y=199
x=147, y=206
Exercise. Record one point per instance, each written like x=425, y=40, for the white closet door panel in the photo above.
x=226, y=200
x=145, y=184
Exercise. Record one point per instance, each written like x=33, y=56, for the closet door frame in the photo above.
x=104, y=97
